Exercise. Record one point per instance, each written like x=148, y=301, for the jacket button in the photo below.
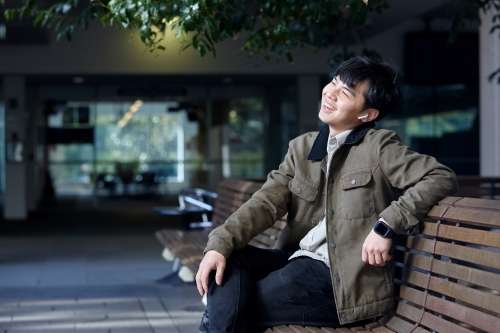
x=298, y=190
x=344, y=315
x=332, y=180
x=337, y=279
x=353, y=181
x=332, y=212
x=333, y=245
x=312, y=222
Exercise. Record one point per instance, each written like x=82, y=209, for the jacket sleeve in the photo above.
x=425, y=180
x=256, y=215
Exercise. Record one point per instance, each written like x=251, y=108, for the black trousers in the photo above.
x=262, y=288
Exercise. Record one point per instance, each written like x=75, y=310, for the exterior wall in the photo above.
x=489, y=104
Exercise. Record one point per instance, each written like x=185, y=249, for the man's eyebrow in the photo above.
x=350, y=90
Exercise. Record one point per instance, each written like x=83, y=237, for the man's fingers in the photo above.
x=198, y=283
x=386, y=256
x=220, y=273
x=364, y=255
x=379, y=261
x=204, y=280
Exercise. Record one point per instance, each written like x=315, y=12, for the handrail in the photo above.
x=198, y=203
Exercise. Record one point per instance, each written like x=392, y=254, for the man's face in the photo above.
x=341, y=105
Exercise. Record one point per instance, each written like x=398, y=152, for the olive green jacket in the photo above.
x=371, y=175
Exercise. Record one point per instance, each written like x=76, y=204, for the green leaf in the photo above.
x=38, y=18
x=179, y=31
x=9, y=14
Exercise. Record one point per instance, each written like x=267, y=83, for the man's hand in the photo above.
x=212, y=260
x=376, y=249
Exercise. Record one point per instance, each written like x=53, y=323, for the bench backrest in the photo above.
x=233, y=193
x=447, y=275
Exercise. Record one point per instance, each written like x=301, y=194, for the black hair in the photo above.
x=383, y=93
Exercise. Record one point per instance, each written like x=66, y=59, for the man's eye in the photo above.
x=345, y=94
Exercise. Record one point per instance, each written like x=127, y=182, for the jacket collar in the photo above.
x=318, y=150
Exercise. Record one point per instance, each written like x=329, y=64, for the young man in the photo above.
x=342, y=188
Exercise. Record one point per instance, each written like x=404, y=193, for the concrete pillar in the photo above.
x=489, y=98
x=309, y=97
x=30, y=147
x=15, y=198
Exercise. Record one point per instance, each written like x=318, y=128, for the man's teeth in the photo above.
x=329, y=107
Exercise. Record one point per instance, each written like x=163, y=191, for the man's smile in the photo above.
x=329, y=107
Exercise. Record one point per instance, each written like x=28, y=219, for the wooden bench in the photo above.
x=447, y=276
x=193, y=203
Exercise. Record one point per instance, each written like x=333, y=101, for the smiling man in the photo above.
x=348, y=190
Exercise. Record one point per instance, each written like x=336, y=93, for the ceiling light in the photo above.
x=128, y=115
x=78, y=79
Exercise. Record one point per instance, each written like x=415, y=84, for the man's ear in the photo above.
x=371, y=113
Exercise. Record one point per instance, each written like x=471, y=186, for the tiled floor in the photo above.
x=91, y=283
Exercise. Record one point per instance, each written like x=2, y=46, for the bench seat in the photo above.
x=447, y=276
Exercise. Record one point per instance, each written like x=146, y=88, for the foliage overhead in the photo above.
x=267, y=27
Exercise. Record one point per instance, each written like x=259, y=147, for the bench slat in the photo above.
x=475, y=203
x=429, y=320
x=421, y=244
x=456, y=311
x=467, y=274
x=466, y=215
x=328, y=330
x=472, y=255
x=406, y=311
x=409, y=312
x=282, y=329
x=300, y=329
x=397, y=324
x=480, y=237
x=474, y=297
x=382, y=329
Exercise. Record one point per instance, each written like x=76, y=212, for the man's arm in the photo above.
x=258, y=214
x=426, y=182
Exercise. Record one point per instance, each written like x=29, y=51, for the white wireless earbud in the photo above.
x=363, y=116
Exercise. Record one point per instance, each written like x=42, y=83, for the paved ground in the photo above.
x=92, y=283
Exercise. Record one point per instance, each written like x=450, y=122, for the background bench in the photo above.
x=447, y=276
x=479, y=187
x=194, y=203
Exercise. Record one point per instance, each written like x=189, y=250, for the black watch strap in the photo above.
x=383, y=229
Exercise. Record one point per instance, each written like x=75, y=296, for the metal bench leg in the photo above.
x=177, y=263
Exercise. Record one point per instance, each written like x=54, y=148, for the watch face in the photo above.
x=381, y=229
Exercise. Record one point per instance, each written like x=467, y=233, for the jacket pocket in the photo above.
x=304, y=194
x=357, y=195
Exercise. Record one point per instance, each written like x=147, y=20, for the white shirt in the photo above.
x=314, y=243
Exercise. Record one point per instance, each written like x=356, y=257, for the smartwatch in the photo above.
x=383, y=230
